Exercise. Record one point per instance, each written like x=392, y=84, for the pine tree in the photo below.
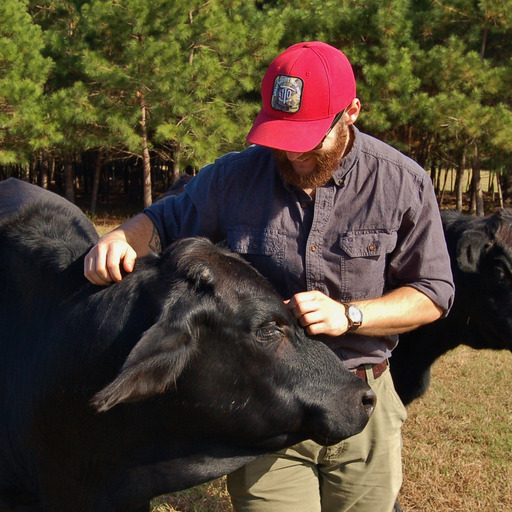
x=23, y=73
x=464, y=72
x=71, y=124
x=166, y=75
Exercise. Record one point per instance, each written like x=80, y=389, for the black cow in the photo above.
x=176, y=188
x=184, y=371
x=481, y=256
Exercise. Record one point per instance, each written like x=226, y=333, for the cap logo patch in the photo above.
x=287, y=93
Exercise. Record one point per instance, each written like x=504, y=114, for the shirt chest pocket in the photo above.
x=363, y=263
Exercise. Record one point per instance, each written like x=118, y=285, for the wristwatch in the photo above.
x=354, y=316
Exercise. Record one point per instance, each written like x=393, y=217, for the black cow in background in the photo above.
x=481, y=256
x=183, y=372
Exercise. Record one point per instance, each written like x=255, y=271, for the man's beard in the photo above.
x=325, y=166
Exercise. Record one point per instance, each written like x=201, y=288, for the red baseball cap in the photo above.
x=302, y=91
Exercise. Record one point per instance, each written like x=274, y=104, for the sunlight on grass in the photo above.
x=458, y=438
x=211, y=497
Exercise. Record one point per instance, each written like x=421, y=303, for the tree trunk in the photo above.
x=176, y=168
x=433, y=175
x=147, y=195
x=500, y=194
x=45, y=171
x=52, y=171
x=505, y=183
x=459, y=179
x=146, y=161
x=443, y=188
x=483, y=46
x=69, y=190
x=477, y=200
x=96, y=181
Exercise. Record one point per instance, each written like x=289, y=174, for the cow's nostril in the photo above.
x=369, y=400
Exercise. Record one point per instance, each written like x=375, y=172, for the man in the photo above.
x=348, y=231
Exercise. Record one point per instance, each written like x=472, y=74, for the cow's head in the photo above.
x=481, y=254
x=233, y=352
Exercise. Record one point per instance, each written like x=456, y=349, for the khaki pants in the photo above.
x=360, y=474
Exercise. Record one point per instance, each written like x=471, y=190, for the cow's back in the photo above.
x=42, y=237
x=16, y=195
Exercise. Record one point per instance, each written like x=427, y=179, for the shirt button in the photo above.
x=372, y=247
x=313, y=248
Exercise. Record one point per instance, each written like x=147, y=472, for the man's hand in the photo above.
x=119, y=249
x=318, y=313
x=102, y=265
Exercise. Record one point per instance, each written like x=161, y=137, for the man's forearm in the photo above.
x=141, y=234
x=401, y=310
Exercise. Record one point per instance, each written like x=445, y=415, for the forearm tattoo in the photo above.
x=154, y=242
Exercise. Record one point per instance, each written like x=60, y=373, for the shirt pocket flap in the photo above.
x=359, y=245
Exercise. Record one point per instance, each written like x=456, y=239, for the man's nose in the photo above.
x=292, y=155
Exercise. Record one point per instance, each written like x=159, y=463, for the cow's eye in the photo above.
x=269, y=332
x=503, y=276
x=502, y=273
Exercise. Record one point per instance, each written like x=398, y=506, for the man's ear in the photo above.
x=155, y=363
x=353, y=111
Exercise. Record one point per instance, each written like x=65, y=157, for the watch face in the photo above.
x=355, y=314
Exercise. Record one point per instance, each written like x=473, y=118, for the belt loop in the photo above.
x=368, y=368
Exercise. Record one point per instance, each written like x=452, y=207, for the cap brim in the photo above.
x=288, y=135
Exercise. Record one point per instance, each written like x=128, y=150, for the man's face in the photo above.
x=314, y=168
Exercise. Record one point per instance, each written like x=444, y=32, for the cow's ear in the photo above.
x=469, y=250
x=151, y=367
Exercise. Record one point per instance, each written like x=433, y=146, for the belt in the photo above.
x=378, y=369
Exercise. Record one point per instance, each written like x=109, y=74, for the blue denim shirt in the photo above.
x=373, y=228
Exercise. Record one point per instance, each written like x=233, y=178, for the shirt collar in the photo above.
x=349, y=160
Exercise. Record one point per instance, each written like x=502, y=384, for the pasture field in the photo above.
x=457, y=443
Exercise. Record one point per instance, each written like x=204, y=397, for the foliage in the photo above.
x=180, y=80
x=23, y=73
